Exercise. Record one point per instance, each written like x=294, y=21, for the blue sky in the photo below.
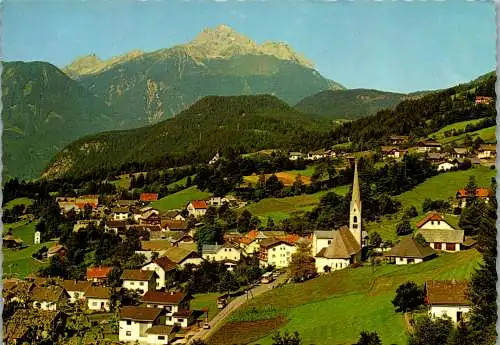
x=390, y=45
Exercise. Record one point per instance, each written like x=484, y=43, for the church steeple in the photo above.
x=355, y=210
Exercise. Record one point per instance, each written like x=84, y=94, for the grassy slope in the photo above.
x=19, y=260
x=335, y=308
x=439, y=135
x=179, y=199
x=487, y=134
x=19, y=201
x=206, y=300
x=442, y=186
x=281, y=208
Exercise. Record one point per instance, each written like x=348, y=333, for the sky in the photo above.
x=390, y=45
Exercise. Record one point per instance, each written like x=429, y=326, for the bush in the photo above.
x=409, y=296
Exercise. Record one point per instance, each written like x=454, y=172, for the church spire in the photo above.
x=356, y=198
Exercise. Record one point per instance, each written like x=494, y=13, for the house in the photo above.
x=275, y=252
x=409, y=251
x=49, y=298
x=436, y=157
x=151, y=217
x=98, y=274
x=139, y=324
x=174, y=304
x=220, y=253
x=180, y=239
x=159, y=246
x=16, y=290
x=120, y=213
x=428, y=145
x=57, y=249
x=173, y=215
x=480, y=193
x=293, y=156
x=249, y=245
x=175, y=225
x=487, y=151
x=155, y=231
x=139, y=280
x=459, y=152
x=98, y=298
x=447, y=298
x=22, y=326
x=197, y=208
x=483, y=100
x=183, y=255
x=392, y=151
x=84, y=223
x=398, y=139
x=10, y=241
x=446, y=166
x=320, y=154
x=117, y=226
x=215, y=159
x=161, y=266
x=76, y=289
x=440, y=234
x=434, y=220
x=147, y=197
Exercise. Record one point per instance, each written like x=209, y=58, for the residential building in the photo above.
x=197, y=208
x=447, y=298
x=459, y=152
x=162, y=266
x=184, y=255
x=98, y=298
x=173, y=215
x=409, y=251
x=392, y=151
x=428, y=145
x=293, y=156
x=151, y=217
x=483, y=100
x=480, y=193
x=143, y=325
x=174, y=225
x=398, y=139
x=446, y=166
x=275, y=252
x=84, y=223
x=220, y=253
x=49, y=298
x=215, y=159
x=139, y=280
x=121, y=213
x=98, y=274
x=175, y=305
x=76, y=289
x=56, y=249
x=116, y=226
x=487, y=151
x=11, y=241
x=249, y=245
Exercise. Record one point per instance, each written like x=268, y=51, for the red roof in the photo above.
x=98, y=272
x=252, y=234
x=246, y=240
x=163, y=297
x=480, y=193
x=149, y=196
x=432, y=216
x=199, y=204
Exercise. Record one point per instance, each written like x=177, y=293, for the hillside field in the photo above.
x=439, y=135
x=286, y=177
x=19, y=201
x=327, y=310
x=442, y=186
x=487, y=134
x=180, y=199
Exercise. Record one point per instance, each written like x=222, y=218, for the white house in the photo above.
x=428, y=145
x=487, y=151
x=98, y=298
x=215, y=159
x=446, y=166
x=121, y=213
x=76, y=289
x=139, y=280
x=293, y=156
x=143, y=325
x=175, y=306
x=409, y=251
x=220, y=253
x=197, y=208
x=161, y=266
x=440, y=234
x=183, y=256
x=275, y=252
x=49, y=298
x=447, y=298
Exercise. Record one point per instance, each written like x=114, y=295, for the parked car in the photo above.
x=206, y=325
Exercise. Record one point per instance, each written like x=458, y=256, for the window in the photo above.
x=128, y=333
x=94, y=304
x=355, y=219
x=161, y=337
x=129, y=322
x=131, y=283
x=180, y=320
x=274, y=255
x=274, y=249
x=439, y=222
x=329, y=242
x=432, y=222
x=437, y=246
x=450, y=246
x=141, y=283
x=355, y=226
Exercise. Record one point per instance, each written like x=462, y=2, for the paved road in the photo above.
x=217, y=321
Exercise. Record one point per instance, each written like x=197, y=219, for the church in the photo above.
x=340, y=248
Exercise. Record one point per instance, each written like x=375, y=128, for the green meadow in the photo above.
x=180, y=199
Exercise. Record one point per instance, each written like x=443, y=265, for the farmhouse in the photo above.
x=143, y=325
x=139, y=280
x=320, y=154
x=174, y=225
x=98, y=274
x=57, y=249
x=480, y=193
x=398, y=139
x=439, y=233
x=183, y=256
x=428, y=145
x=409, y=251
x=173, y=215
x=84, y=223
x=293, y=156
x=436, y=157
x=10, y=241
x=392, y=151
x=49, y=298
x=275, y=252
x=161, y=266
x=76, y=289
x=16, y=290
x=116, y=226
x=120, y=213
x=151, y=217
x=459, y=152
x=339, y=248
x=447, y=298
x=487, y=151
x=98, y=298
x=197, y=208
x=483, y=100
x=175, y=305
x=220, y=253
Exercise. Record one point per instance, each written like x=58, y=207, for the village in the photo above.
x=161, y=312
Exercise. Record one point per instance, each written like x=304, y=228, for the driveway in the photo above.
x=217, y=321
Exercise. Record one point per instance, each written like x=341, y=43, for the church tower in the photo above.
x=355, y=210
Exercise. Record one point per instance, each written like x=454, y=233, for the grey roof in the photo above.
x=214, y=248
x=343, y=246
x=322, y=234
x=408, y=247
x=443, y=235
